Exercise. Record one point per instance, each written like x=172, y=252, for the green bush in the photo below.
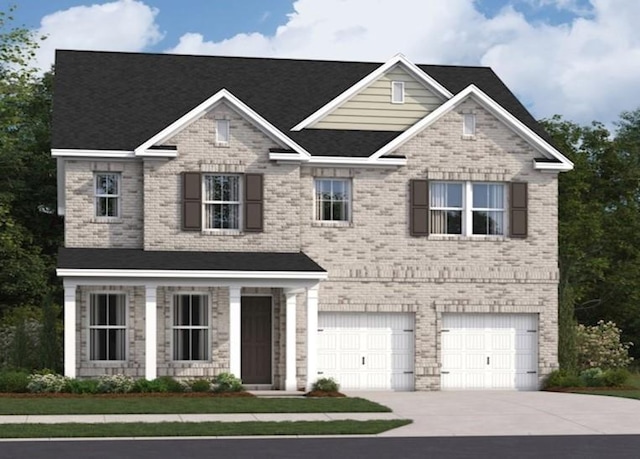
x=562, y=378
x=325, y=385
x=227, y=382
x=146, y=386
x=200, y=385
x=171, y=384
x=82, y=386
x=592, y=377
x=616, y=377
x=14, y=381
x=116, y=384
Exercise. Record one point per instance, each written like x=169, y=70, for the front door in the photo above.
x=255, y=333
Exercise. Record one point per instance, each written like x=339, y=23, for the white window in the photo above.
x=468, y=124
x=107, y=326
x=333, y=199
x=397, y=92
x=222, y=201
x=222, y=132
x=107, y=194
x=467, y=208
x=190, y=327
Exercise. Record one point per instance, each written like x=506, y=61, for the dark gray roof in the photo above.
x=81, y=258
x=117, y=101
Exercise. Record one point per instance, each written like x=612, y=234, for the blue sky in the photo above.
x=578, y=58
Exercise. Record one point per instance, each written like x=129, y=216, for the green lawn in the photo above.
x=632, y=389
x=176, y=429
x=182, y=405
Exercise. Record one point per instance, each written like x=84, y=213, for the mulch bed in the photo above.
x=322, y=393
x=133, y=395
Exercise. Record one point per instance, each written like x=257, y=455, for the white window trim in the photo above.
x=397, y=89
x=108, y=327
x=227, y=129
x=205, y=203
x=117, y=196
x=346, y=222
x=468, y=133
x=173, y=327
x=468, y=209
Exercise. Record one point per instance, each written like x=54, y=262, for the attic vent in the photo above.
x=397, y=92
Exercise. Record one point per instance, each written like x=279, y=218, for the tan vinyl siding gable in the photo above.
x=372, y=109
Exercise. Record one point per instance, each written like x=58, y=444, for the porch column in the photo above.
x=69, y=329
x=234, y=331
x=151, y=332
x=312, y=335
x=290, y=343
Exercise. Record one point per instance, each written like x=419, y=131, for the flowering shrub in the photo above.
x=47, y=382
x=227, y=382
x=599, y=346
x=116, y=384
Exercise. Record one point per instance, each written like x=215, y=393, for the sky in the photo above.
x=576, y=58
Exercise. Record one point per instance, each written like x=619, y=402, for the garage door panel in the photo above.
x=373, y=350
x=475, y=361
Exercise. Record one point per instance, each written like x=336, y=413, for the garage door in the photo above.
x=489, y=351
x=366, y=350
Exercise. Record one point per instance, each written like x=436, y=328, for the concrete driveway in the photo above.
x=508, y=413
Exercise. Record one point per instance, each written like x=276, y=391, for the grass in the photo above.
x=178, y=429
x=180, y=405
x=631, y=390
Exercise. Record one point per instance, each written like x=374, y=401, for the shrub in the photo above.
x=325, y=385
x=45, y=382
x=116, y=384
x=226, y=382
x=592, y=377
x=599, y=346
x=200, y=385
x=14, y=381
x=146, y=386
x=562, y=378
x=616, y=377
x=82, y=386
x=171, y=384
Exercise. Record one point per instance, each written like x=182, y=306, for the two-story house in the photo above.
x=390, y=225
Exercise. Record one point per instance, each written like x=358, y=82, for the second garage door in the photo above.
x=367, y=350
x=489, y=351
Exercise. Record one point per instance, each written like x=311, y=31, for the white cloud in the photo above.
x=587, y=69
x=123, y=25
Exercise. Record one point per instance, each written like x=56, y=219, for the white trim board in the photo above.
x=191, y=274
x=398, y=59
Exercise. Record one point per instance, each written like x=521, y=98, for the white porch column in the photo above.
x=312, y=335
x=234, y=331
x=151, y=332
x=69, y=329
x=290, y=343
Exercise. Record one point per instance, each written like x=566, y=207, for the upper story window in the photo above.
x=222, y=132
x=107, y=194
x=468, y=125
x=107, y=326
x=467, y=208
x=222, y=201
x=397, y=92
x=190, y=327
x=333, y=199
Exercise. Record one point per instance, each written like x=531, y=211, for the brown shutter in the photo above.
x=518, y=210
x=191, y=201
x=253, y=203
x=419, y=208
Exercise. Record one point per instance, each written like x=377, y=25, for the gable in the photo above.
x=372, y=109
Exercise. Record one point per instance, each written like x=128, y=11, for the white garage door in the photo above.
x=366, y=350
x=489, y=351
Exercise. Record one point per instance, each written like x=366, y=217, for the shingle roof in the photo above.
x=117, y=101
x=86, y=258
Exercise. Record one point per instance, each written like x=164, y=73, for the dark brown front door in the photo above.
x=255, y=332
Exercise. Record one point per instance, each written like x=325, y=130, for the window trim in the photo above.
x=239, y=203
x=349, y=200
x=124, y=327
x=462, y=209
x=173, y=327
x=117, y=197
x=468, y=209
x=397, y=92
x=226, y=129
